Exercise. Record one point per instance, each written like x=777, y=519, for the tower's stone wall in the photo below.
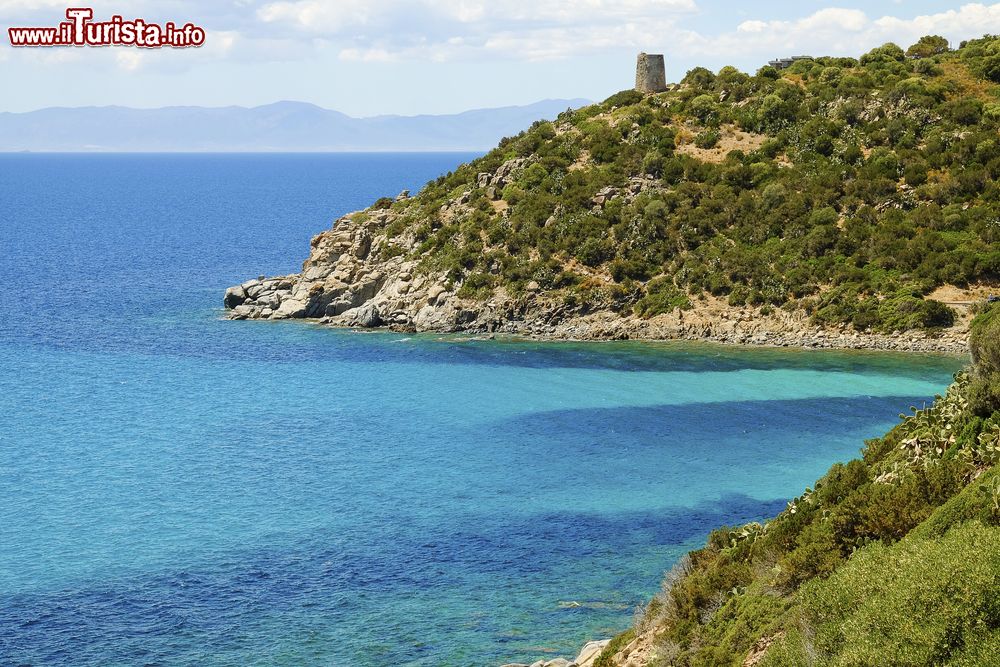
x=650, y=74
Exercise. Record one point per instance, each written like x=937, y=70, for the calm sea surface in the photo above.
x=176, y=489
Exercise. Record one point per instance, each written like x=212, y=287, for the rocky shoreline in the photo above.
x=585, y=658
x=610, y=327
x=606, y=327
x=297, y=297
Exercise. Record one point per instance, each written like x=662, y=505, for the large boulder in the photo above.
x=290, y=308
x=434, y=293
x=368, y=316
x=235, y=296
x=590, y=652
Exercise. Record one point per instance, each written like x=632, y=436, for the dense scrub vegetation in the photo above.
x=856, y=186
x=892, y=559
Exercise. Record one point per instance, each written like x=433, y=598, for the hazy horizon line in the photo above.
x=583, y=100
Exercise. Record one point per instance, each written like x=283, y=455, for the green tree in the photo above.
x=886, y=53
x=703, y=107
x=990, y=68
x=927, y=46
x=699, y=77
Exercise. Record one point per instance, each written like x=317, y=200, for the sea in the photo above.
x=179, y=489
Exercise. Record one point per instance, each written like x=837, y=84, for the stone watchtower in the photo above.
x=650, y=75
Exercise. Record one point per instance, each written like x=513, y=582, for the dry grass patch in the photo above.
x=969, y=85
x=731, y=139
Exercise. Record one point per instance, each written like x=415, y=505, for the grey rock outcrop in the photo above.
x=344, y=283
x=358, y=274
x=494, y=183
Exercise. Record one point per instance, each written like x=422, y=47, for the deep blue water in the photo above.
x=176, y=489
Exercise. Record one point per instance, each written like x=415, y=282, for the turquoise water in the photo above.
x=177, y=489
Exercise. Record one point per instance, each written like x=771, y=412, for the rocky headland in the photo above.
x=358, y=275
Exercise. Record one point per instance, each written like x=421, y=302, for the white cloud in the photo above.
x=129, y=59
x=752, y=26
x=379, y=30
x=976, y=18
x=365, y=55
x=60, y=56
x=328, y=18
x=319, y=17
x=850, y=20
x=838, y=31
x=528, y=45
x=444, y=30
x=370, y=31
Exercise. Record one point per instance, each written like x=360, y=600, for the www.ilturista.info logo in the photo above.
x=81, y=30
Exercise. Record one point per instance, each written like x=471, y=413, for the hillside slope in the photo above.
x=840, y=197
x=891, y=559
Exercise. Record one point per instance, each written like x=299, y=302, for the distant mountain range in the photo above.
x=282, y=126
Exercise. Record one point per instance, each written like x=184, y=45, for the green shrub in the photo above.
x=902, y=310
x=703, y=108
x=603, y=143
x=699, y=77
x=981, y=648
x=595, y=251
x=915, y=603
x=617, y=643
x=927, y=46
x=624, y=98
x=707, y=139
x=974, y=502
x=476, y=286
x=984, y=344
x=661, y=297
x=908, y=310
x=984, y=341
x=886, y=53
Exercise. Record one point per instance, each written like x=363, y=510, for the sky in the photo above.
x=371, y=57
